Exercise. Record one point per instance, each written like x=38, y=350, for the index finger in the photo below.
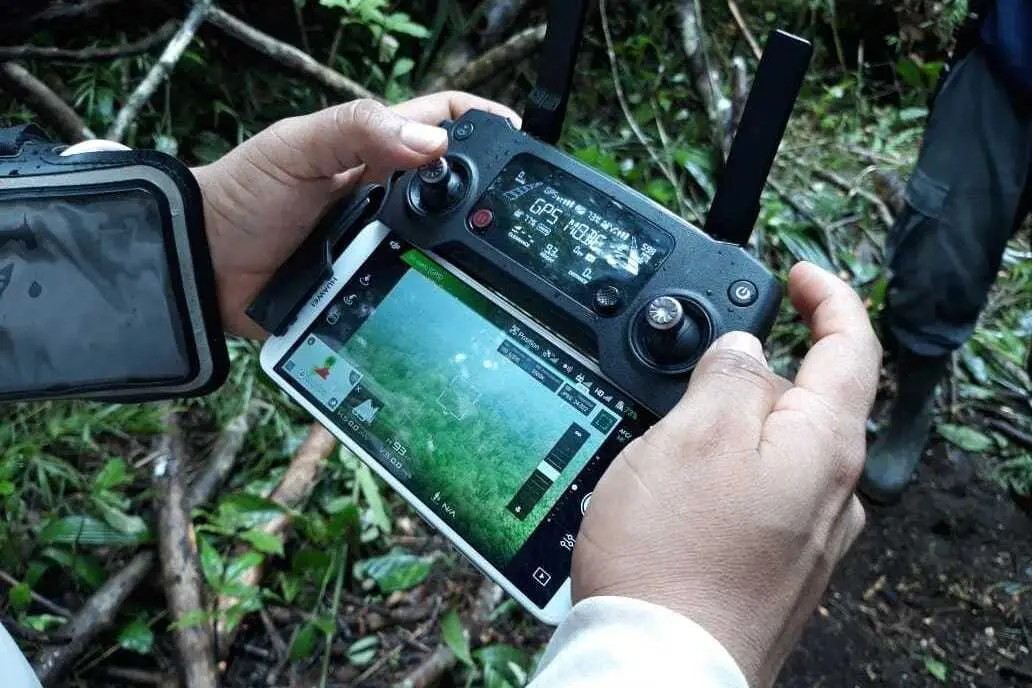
x=843, y=364
x=437, y=107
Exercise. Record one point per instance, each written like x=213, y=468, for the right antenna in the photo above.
x=779, y=78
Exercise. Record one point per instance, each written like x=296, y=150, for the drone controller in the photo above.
x=624, y=281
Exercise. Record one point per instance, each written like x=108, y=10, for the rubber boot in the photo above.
x=897, y=451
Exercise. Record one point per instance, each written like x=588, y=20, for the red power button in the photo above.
x=482, y=219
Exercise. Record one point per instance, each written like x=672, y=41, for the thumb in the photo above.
x=731, y=393
x=344, y=137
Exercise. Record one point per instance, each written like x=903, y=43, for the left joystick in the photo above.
x=438, y=187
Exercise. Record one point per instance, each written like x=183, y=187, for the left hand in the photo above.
x=264, y=197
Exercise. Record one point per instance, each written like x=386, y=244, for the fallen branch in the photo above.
x=289, y=56
x=298, y=481
x=144, y=45
x=97, y=615
x=100, y=610
x=744, y=28
x=51, y=607
x=181, y=577
x=37, y=95
x=160, y=71
x=512, y=51
x=442, y=659
x=496, y=18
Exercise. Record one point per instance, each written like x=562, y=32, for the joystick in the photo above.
x=671, y=333
x=437, y=187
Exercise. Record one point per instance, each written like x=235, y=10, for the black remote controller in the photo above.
x=623, y=280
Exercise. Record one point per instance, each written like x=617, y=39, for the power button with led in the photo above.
x=481, y=220
x=742, y=293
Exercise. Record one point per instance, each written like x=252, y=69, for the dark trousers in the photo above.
x=968, y=196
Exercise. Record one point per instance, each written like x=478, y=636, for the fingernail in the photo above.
x=423, y=138
x=743, y=342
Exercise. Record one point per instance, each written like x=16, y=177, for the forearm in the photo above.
x=617, y=642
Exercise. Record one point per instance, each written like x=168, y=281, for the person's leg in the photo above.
x=962, y=205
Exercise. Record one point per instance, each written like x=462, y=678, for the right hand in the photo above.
x=737, y=506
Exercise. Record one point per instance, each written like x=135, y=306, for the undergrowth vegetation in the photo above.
x=75, y=493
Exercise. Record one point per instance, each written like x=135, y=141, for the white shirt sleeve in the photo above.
x=13, y=666
x=610, y=642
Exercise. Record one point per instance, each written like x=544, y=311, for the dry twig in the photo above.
x=289, y=56
x=181, y=576
x=835, y=180
x=512, y=51
x=744, y=28
x=144, y=45
x=443, y=659
x=37, y=95
x=100, y=610
x=298, y=481
x=160, y=71
x=51, y=607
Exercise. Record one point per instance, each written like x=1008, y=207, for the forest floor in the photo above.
x=357, y=592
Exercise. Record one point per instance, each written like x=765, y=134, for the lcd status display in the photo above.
x=569, y=233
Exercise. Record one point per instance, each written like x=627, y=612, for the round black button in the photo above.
x=482, y=219
x=743, y=293
x=464, y=131
x=608, y=299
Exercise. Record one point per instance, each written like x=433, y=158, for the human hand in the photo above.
x=735, y=508
x=265, y=196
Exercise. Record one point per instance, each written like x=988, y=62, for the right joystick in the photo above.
x=671, y=333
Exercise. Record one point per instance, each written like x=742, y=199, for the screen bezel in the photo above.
x=276, y=348
x=190, y=270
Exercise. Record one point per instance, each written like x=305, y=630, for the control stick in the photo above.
x=671, y=336
x=440, y=187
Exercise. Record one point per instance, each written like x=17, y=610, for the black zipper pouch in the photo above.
x=106, y=285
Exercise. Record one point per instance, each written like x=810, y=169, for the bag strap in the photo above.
x=13, y=138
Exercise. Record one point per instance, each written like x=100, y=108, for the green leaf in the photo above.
x=968, y=439
x=114, y=474
x=190, y=619
x=243, y=563
x=371, y=493
x=20, y=596
x=936, y=668
x=7, y=488
x=85, y=567
x=291, y=588
x=661, y=191
x=504, y=666
x=166, y=144
x=310, y=562
x=263, y=542
x=454, y=636
x=123, y=522
x=363, y=651
x=87, y=531
x=397, y=570
x=44, y=623
x=211, y=561
x=136, y=636
x=304, y=643
x=345, y=520
x=242, y=511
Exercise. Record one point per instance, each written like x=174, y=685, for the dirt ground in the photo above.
x=938, y=584
x=935, y=592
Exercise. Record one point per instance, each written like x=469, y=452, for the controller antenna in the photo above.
x=546, y=111
x=779, y=78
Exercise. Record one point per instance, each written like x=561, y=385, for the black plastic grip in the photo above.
x=311, y=265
